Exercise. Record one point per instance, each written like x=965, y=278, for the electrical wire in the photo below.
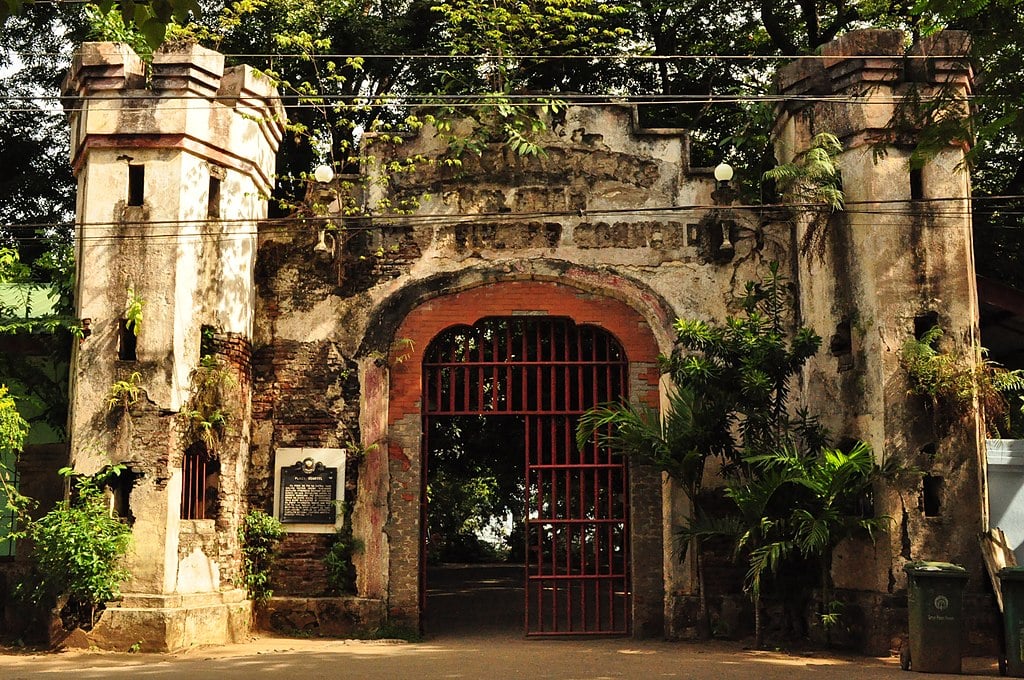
x=357, y=103
x=628, y=56
x=532, y=99
x=298, y=224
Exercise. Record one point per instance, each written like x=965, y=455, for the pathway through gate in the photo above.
x=547, y=371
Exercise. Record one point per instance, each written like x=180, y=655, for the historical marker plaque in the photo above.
x=308, y=493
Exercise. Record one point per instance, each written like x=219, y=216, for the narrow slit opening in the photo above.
x=213, y=199
x=136, y=184
x=924, y=323
x=931, y=492
x=916, y=184
x=128, y=342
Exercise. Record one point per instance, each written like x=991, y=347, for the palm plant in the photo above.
x=814, y=178
x=795, y=503
x=836, y=483
x=731, y=400
x=675, y=440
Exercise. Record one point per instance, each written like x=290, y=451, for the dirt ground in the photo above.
x=487, y=656
x=473, y=630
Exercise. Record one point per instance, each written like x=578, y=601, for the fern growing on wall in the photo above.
x=950, y=382
x=813, y=180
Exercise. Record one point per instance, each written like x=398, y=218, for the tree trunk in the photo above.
x=703, y=622
x=826, y=599
x=758, y=625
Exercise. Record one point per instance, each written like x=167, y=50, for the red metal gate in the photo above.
x=548, y=370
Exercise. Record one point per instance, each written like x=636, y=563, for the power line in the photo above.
x=357, y=102
x=628, y=56
x=530, y=99
x=295, y=224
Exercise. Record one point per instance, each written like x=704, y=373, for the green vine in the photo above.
x=124, y=393
x=338, y=560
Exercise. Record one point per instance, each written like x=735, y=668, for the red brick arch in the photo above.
x=513, y=298
x=403, y=439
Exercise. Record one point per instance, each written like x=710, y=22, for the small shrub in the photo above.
x=260, y=533
x=940, y=376
x=338, y=560
x=78, y=550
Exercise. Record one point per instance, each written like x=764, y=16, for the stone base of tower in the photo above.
x=349, y=616
x=168, y=623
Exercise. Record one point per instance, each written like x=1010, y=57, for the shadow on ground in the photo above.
x=474, y=599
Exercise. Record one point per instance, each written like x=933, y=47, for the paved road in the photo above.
x=465, y=657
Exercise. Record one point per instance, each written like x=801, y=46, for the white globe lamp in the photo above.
x=723, y=172
x=324, y=174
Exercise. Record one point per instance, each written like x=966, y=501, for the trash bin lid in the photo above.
x=1011, y=574
x=944, y=569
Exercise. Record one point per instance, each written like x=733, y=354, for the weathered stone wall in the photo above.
x=607, y=220
x=882, y=271
x=211, y=134
x=610, y=226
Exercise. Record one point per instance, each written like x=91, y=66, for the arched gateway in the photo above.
x=539, y=354
x=537, y=375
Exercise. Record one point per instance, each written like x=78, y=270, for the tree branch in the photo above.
x=775, y=29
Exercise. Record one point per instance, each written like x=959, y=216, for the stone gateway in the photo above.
x=573, y=265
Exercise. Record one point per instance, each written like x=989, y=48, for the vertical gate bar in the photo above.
x=608, y=363
x=542, y=539
x=197, y=462
x=579, y=371
x=197, y=487
x=539, y=367
x=452, y=380
x=527, y=524
x=610, y=538
x=453, y=377
x=509, y=397
x=184, y=487
x=186, y=499
x=201, y=488
x=440, y=388
x=478, y=374
x=561, y=457
x=583, y=506
x=481, y=371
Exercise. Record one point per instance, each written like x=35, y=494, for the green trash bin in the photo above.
x=935, y=597
x=1011, y=582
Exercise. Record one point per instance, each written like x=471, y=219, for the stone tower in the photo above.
x=173, y=173
x=897, y=261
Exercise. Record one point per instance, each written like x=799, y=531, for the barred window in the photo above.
x=200, y=483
